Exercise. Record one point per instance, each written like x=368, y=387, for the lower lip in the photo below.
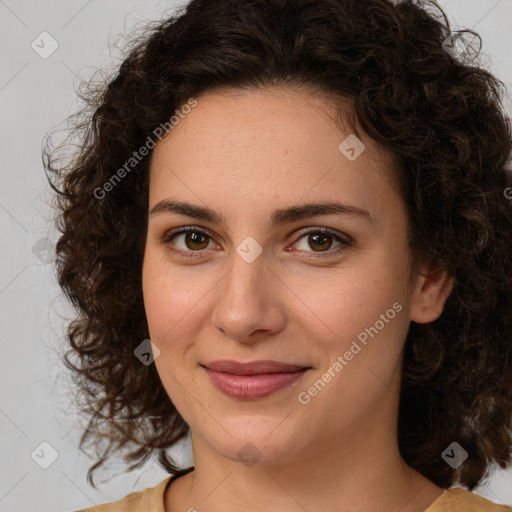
x=249, y=387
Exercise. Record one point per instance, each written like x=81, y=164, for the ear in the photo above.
x=433, y=286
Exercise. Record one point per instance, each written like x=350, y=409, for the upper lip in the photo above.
x=253, y=367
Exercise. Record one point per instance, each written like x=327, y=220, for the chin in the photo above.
x=257, y=442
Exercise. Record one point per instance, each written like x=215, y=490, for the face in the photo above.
x=260, y=278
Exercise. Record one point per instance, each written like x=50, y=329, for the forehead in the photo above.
x=281, y=143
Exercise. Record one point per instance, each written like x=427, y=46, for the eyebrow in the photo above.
x=279, y=217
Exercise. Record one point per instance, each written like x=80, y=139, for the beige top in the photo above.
x=152, y=500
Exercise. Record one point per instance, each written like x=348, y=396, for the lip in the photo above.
x=256, y=379
x=252, y=367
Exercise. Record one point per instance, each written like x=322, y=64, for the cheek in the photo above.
x=343, y=303
x=361, y=317
x=158, y=302
x=170, y=304
x=170, y=298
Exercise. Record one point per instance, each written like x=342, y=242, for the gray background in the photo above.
x=36, y=95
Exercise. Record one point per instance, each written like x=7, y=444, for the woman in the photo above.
x=287, y=233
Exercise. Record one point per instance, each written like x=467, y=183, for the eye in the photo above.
x=321, y=240
x=193, y=240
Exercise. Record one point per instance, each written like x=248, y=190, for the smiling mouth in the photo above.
x=252, y=380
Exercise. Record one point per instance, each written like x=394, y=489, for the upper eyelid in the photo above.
x=184, y=229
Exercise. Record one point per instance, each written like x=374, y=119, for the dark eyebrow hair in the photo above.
x=279, y=217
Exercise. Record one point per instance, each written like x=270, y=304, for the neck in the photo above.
x=364, y=474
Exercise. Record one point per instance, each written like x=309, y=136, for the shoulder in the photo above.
x=147, y=500
x=460, y=500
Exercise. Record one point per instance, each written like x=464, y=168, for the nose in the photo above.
x=248, y=305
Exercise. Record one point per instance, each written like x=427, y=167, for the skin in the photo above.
x=244, y=154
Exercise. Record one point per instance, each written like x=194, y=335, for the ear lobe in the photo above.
x=432, y=289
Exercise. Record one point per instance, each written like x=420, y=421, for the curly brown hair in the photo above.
x=439, y=114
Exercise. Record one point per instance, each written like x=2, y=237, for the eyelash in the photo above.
x=345, y=242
